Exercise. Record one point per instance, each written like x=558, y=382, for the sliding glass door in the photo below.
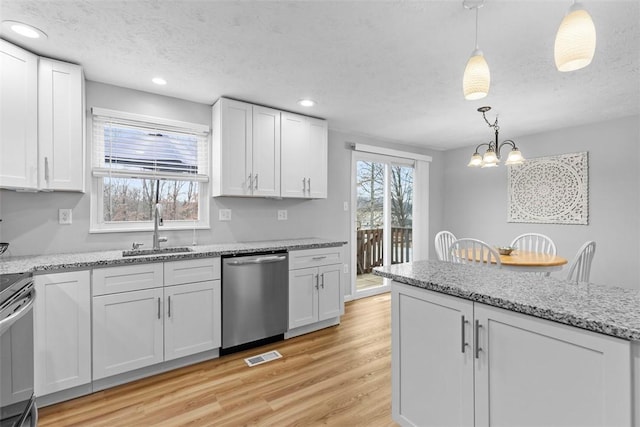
x=383, y=194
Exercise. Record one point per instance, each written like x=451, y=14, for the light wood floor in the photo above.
x=339, y=376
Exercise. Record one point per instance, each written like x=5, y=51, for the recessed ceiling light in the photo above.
x=307, y=102
x=159, y=81
x=25, y=30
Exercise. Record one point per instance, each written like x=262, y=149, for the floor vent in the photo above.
x=262, y=358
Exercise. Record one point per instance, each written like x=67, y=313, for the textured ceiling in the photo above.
x=387, y=69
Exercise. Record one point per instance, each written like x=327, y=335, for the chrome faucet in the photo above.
x=157, y=222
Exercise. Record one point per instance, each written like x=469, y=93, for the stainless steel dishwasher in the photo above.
x=255, y=294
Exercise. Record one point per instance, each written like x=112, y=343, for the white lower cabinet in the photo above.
x=455, y=362
x=192, y=318
x=179, y=316
x=315, y=292
x=127, y=331
x=62, y=331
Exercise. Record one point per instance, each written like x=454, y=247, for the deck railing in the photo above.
x=369, y=247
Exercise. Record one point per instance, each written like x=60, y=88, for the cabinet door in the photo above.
x=432, y=369
x=265, y=158
x=60, y=126
x=18, y=117
x=329, y=294
x=62, y=331
x=293, y=138
x=234, y=147
x=127, y=331
x=303, y=294
x=536, y=372
x=192, y=318
x=317, y=154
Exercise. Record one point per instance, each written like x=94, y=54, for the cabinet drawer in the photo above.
x=314, y=257
x=127, y=278
x=191, y=271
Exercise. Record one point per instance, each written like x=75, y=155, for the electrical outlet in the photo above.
x=64, y=216
x=282, y=214
x=345, y=268
x=224, y=214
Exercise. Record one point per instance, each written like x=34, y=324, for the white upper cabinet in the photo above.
x=246, y=150
x=263, y=152
x=304, y=145
x=18, y=118
x=41, y=122
x=60, y=126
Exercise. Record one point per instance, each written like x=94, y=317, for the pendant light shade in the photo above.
x=576, y=40
x=477, y=78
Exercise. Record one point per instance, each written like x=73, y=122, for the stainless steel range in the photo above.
x=17, y=401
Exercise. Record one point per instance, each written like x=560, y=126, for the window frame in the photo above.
x=97, y=223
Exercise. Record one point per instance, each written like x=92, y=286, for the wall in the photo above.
x=30, y=220
x=476, y=199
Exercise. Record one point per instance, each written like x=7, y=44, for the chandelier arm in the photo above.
x=488, y=144
x=508, y=142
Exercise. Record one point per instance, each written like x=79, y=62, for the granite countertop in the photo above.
x=605, y=309
x=83, y=260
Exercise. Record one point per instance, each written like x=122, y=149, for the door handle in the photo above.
x=309, y=185
x=250, y=182
x=304, y=186
x=317, y=282
x=477, y=339
x=169, y=303
x=158, y=307
x=322, y=283
x=46, y=169
x=255, y=181
x=464, y=341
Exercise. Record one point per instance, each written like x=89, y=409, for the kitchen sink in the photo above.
x=141, y=252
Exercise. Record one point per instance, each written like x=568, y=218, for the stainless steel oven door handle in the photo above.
x=6, y=323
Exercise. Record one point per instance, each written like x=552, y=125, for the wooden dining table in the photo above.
x=525, y=261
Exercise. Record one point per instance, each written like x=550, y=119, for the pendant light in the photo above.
x=576, y=40
x=476, y=79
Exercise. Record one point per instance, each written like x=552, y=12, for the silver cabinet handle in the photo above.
x=250, y=182
x=318, y=258
x=464, y=341
x=309, y=185
x=322, y=283
x=304, y=185
x=46, y=169
x=255, y=181
x=169, y=303
x=317, y=282
x=477, y=339
x=158, y=307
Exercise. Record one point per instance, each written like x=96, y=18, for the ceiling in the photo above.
x=386, y=69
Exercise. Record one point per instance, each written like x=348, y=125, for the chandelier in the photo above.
x=491, y=156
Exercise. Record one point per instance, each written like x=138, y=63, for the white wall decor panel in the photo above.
x=550, y=190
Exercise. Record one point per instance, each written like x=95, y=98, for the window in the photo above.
x=138, y=161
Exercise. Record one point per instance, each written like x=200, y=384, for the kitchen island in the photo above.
x=476, y=346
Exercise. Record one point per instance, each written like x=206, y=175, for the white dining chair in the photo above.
x=443, y=242
x=580, y=268
x=474, y=252
x=534, y=242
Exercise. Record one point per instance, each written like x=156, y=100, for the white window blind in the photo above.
x=130, y=145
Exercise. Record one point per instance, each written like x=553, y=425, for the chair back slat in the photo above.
x=474, y=252
x=534, y=242
x=580, y=268
x=443, y=242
